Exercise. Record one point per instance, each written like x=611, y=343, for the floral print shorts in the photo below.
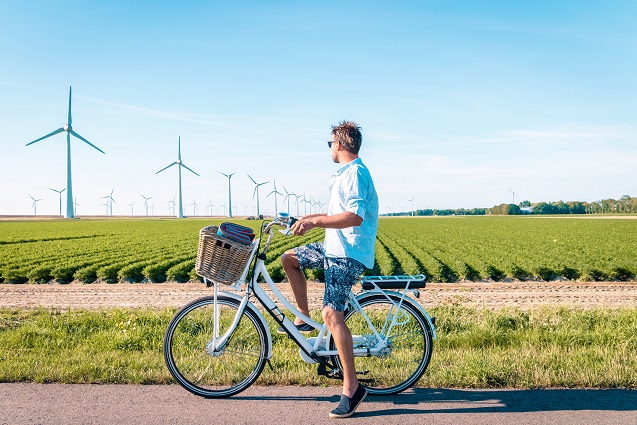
x=340, y=273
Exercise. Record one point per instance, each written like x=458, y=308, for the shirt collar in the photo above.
x=349, y=164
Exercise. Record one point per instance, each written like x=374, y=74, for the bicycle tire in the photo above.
x=234, y=368
x=411, y=345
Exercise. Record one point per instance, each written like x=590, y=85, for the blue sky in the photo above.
x=460, y=101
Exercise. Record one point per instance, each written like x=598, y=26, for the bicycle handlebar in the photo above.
x=283, y=220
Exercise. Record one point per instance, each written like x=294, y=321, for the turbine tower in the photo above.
x=412, y=205
x=229, y=191
x=179, y=165
x=256, y=192
x=59, y=193
x=69, y=131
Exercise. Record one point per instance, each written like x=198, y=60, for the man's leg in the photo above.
x=343, y=338
x=297, y=280
x=340, y=275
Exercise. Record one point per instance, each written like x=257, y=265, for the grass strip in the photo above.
x=477, y=348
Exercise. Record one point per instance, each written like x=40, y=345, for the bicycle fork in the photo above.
x=217, y=343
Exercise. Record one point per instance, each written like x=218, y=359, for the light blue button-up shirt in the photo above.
x=352, y=189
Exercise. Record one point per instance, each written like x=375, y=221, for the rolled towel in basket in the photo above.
x=236, y=232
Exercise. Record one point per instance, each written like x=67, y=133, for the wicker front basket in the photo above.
x=221, y=259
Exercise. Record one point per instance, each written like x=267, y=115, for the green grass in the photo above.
x=546, y=347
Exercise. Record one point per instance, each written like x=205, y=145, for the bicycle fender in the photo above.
x=400, y=295
x=258, y=314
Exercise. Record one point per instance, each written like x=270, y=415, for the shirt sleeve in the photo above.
x=355, y=193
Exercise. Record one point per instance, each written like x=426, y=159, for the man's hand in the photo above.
x=338, y=221
x=302, y=226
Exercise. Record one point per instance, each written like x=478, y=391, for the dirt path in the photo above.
x=488, y=295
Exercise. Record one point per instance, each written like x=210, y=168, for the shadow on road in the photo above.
x=428, y=400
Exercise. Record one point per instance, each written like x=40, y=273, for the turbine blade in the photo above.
x=174, y=163
x=59, y=130
x=252, y=179
x=70, y=119
x=223, y=174
x=184, y=165
x=86, y=141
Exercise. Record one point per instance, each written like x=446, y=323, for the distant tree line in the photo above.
x=624, y=205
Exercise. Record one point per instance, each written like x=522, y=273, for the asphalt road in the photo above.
x=170, y=404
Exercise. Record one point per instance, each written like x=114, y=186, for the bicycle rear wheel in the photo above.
x=226, y=371
x=410, y=344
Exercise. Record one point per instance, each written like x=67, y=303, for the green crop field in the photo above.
x=445, y=249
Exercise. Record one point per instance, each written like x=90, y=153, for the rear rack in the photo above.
x=393, y=282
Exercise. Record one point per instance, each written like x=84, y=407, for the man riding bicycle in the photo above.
x=351, y=224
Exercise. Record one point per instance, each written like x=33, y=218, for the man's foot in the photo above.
x=347, y=406
x=304, y=328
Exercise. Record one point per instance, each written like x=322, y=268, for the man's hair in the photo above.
x=348, y=134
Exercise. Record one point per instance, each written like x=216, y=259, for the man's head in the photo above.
x=348, y=135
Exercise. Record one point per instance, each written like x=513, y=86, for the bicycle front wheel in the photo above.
x=410, y=343
x=215, y=373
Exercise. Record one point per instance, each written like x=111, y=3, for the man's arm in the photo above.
x=337, y=221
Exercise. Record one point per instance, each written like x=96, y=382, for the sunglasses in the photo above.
x=329, y=143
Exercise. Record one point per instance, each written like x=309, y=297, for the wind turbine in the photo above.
x=297, y=204
x=275, y=192
x=229, y=176
x=304, y=204
x=210, y=206
x=287, y=196
x=75, y=204
x=179, y=165
x=60, y=193
x=194, y=207
x=152, y=209
x=513, y=195
x=256, y=192
x=412, y=205
x=146, y=202
x=34, y=205
x=131, y=208
x=172, y=204
x=69, y=131
x=109, y=198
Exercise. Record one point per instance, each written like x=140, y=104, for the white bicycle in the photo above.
x=217, y=346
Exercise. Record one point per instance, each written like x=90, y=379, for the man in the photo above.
x=350, y=236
